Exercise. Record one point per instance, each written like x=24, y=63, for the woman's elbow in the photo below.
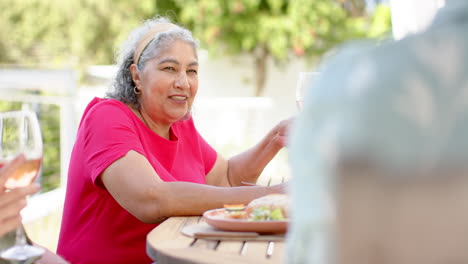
x=150, y=210
x=150, y=215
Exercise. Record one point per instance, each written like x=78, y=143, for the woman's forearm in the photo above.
x=184, y=198
x=248, y=165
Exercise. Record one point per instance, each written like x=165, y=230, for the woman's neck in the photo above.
x=161, y=130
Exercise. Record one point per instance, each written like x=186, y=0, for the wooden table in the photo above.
x=166, y=244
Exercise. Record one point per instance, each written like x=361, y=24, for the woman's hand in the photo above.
x=280, y=132
x=248, y=165
x=13, y=201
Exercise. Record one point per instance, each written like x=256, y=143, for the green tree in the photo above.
x=278, y=29
x=74, y=33
x=77, y=33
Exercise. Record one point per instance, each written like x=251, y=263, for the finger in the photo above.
x=12, y=209
x=9, y=168
x=281, y=140
x=9, y=224
x=284, y=127
x=18, y=194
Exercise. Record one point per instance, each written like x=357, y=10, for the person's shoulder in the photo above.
x=98, y=103
x=343, y=62
x=105, y=108
x=357, y=65
x=381, y=53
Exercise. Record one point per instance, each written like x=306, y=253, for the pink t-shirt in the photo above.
x=95, y=228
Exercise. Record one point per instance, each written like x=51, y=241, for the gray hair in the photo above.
x=123, y=85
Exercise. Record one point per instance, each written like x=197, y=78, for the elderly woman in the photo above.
x=139, y=159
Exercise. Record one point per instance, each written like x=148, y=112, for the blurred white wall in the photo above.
x=235, y=77
x=411, y=16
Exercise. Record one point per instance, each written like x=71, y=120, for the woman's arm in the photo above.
x=247, y=166
x=135, y=185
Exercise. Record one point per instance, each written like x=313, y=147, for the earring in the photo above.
x=136, y=91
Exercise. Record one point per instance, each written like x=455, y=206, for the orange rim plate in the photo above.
x=218, y=219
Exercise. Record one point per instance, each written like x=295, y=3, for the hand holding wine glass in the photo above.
x=11, y=202
x=20, y=135
x=305, y=82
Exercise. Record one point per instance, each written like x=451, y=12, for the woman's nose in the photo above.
x=182, y=81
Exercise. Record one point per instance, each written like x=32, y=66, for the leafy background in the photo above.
x=78, y=33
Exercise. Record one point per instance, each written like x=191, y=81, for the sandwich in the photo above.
x=269, y=207
x=235, y=211
x=272, y=207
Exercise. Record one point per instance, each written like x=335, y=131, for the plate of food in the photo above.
x=267, y=214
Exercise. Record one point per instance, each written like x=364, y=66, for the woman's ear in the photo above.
x=135, y=74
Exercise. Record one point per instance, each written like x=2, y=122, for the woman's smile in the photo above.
x=179, y=99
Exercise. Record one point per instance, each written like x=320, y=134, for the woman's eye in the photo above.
x=169, y=68
x=192, y=71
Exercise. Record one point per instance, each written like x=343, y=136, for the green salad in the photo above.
x=264, y=213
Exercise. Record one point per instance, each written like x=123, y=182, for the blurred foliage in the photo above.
x=78, y=33
x=73, y=33
x=50, y=126
x=280, y=29
x=381, y=22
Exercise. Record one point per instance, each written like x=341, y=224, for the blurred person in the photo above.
x=383, y=132
x=11, y=203
x=138, y=158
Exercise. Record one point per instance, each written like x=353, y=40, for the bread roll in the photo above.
x=271, y=201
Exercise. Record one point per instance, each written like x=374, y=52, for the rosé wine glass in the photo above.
x=305, y=81
x=20, y=134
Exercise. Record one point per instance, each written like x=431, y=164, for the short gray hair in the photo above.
x=123, y=85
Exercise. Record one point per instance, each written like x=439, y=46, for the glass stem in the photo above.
x=20, y=237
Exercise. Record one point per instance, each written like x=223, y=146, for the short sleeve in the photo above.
x=107, y=133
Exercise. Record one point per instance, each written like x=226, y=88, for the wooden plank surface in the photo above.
x=206, y=244
x=278, y=252
x=197, y=255
x=234, y=247
x=168, y=230
x=167, y=244
x=205, y=231
x=255, y=249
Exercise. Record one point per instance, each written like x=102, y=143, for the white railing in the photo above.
x=60, y=85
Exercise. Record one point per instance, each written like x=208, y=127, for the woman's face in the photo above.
x=169, y=83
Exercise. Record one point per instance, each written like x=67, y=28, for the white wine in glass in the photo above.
x=305, y=81
x=20, y=134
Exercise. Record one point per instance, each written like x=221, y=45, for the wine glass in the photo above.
x=20, y=134
x=305, y=81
